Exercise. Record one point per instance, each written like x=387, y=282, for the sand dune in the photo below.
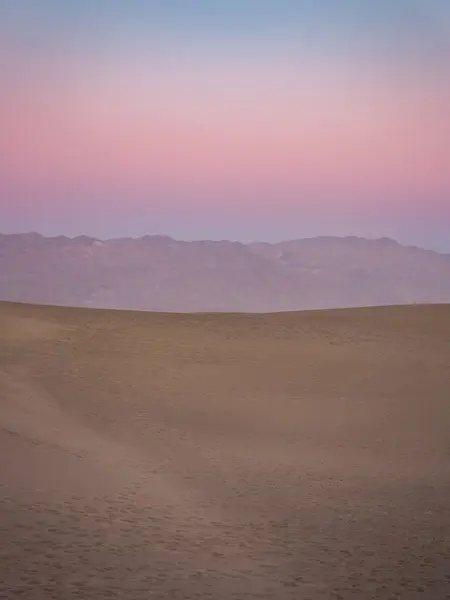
x=289, y=456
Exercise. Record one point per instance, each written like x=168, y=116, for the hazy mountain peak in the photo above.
x=156, y=239
x=84, y=240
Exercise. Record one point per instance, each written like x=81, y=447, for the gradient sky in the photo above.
x=237, y=119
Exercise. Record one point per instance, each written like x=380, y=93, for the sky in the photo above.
x=226, y=119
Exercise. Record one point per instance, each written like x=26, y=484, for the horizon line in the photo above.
x=231, y=241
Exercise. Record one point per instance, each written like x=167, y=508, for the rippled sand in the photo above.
x=288, y=456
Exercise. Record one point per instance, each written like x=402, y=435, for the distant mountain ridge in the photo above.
x=157, y=272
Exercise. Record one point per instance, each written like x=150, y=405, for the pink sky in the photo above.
x=220, y=128
x=256, y=133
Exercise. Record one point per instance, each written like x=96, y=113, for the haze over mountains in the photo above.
x=163, y=274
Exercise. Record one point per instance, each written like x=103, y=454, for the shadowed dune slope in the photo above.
x=292, y=455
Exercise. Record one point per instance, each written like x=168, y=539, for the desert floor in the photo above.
x=285, y=456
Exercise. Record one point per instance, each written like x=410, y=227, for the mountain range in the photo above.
x=160, y=273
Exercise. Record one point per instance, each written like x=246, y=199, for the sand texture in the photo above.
x=288, y=456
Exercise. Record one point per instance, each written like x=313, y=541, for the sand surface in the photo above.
x=289, y=456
